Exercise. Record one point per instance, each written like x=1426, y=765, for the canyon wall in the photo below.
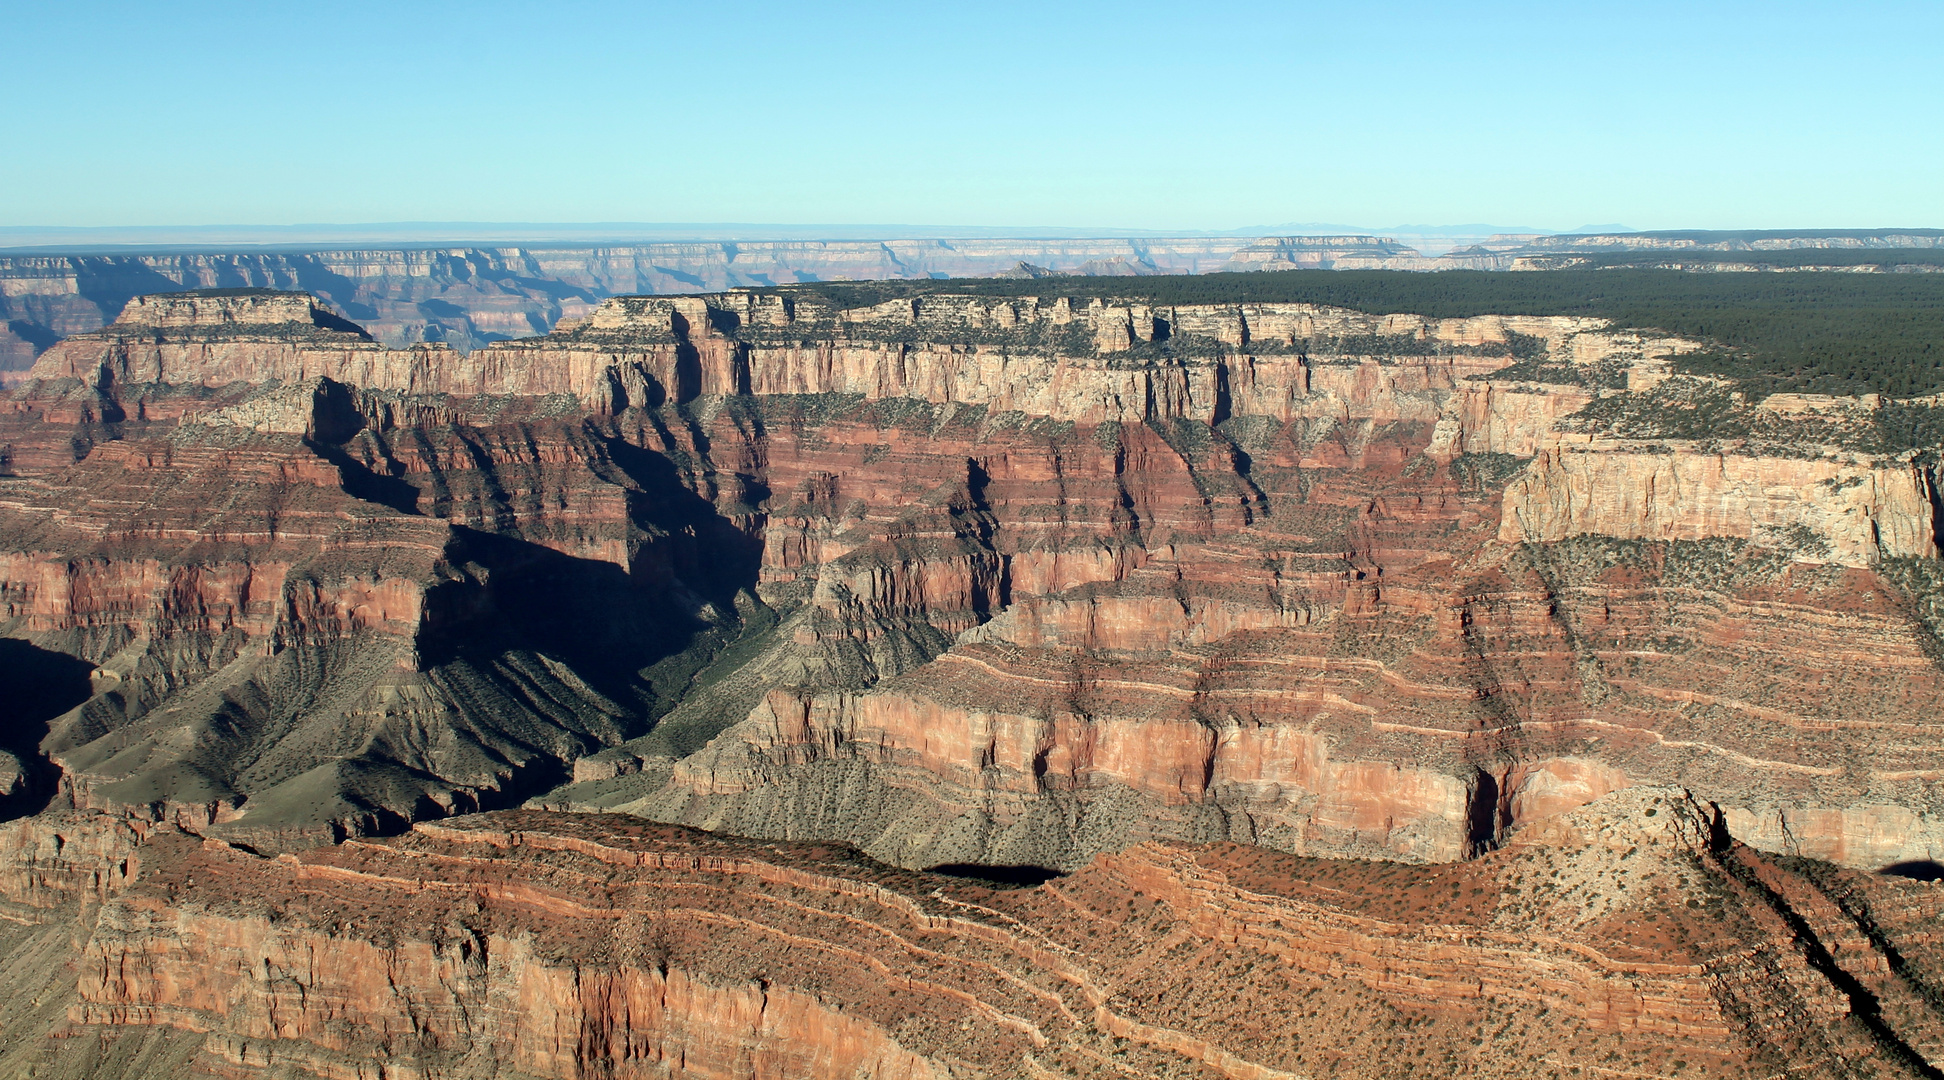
x=1623, y=936
x=469, y=296
x=1863, y=510
x=1373, y=692
x=954, y=579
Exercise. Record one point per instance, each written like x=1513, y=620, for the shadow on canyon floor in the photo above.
x=37, y=685
x=1005, y=877
x=590, y=615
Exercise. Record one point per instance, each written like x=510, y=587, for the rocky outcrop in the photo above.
x=1594, y=667
x=277, y=655
x=468, y=297
x=952, y=578
x=1199, y=605
x=1086, y=361
x=63, y=859
x=1626, y=935
x=313, y=609
x=1862, y=511
x=241, y=336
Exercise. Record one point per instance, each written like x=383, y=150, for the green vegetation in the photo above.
x=1680, y=408
x=1390, y=346
x=1717, y=563
x=1749, y=236
x=1487, y=473
x=1781, y=260
x=1070, y=339
x=1608, y=374
x=1691, y=408
x=1831, y=333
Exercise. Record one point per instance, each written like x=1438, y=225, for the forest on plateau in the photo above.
x=1826, y=332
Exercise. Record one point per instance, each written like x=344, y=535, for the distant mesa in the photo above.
x=1747, y=240
x=1328, y=253
x=254, y=308
x=471, y=296
x=1026, y=271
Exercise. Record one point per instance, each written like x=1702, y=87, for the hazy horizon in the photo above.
x=112, y=240
x=14, y=237
x=1105, y=118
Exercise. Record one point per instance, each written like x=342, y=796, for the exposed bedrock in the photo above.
x=1862, y=510
x=303, y=620
x=1630, y=934
x=470, y=296
x=1064, y=359
x=1507, y=702
x=953, y=579
x=1087, y=361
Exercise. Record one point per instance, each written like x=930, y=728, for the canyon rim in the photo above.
x=1038, y=675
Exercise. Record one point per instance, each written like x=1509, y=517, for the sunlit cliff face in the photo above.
x=1623, y=934
x=956, y=579
x=1188, y=603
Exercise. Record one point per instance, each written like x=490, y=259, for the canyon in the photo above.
x=1374, y=694
x=1631, y=940
x=470, y=295
x=467, y=295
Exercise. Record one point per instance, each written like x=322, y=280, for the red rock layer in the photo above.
x=1030, y=567
x=1617, y=939
x=1331, y=650
x=307, y=618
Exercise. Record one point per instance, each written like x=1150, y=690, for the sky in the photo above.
x=1213, y=115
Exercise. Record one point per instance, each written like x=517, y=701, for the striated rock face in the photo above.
x=1863, y=511
x=953, y=579
x=1328, y=253
x=471, y=296
x=243, y=335
x=291, y=640
x=1729, y=241
x=59, y=859
x=1199, y=605
x=1628, y=935
x=1088, y=361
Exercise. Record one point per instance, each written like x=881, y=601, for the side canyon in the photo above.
x=757, y=684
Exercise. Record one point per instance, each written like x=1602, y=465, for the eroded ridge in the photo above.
x=960, y=579
x=1629, y=937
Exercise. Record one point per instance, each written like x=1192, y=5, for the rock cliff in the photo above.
x=1861, y=510
x=953, y=579
x=1192, y=603
x=1628, y=937
x=471, y=296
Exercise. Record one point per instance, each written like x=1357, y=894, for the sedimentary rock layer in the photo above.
x=1202, y=606
x=1863, y=510
x=964, y=579
x=471, y=296
x=1629, y=936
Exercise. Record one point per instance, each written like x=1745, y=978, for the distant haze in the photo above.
x=1085, y=116
x=1431, y=239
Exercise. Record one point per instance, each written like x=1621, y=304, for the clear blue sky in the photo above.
x=1211, y=115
